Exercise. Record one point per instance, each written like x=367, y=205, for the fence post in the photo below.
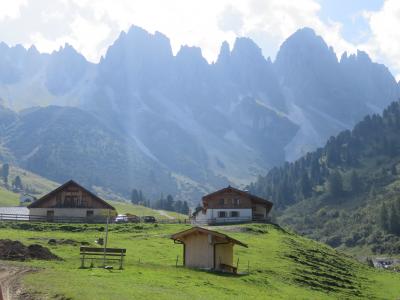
x=176, y=262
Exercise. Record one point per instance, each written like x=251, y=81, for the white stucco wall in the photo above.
x=68, y=212
x=212, y=214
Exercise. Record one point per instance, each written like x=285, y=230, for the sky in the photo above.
x=90, y=26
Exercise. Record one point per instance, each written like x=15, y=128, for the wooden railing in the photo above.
x=239, y=220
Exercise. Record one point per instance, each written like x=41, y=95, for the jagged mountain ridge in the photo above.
x=208, y=124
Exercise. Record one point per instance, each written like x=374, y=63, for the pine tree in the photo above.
x=185, y=208
x=335, y=184
x=305, y=185
x=141, y=197
x=384, y=217
x=5, y=171
x=355, y=182
x=17, y=183
x=169, y=203
x=135, y=197
x=178, y=206
x=394, y=170
x=394, y=221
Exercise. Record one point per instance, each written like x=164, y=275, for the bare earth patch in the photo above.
x=15, y=250
x=10, y=282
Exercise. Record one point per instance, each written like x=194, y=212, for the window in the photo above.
x=234, y=214
x=235, y=201
x=222, y=214
x=221, y=201
x=89, y=213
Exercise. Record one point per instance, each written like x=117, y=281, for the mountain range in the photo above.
x=145, y=118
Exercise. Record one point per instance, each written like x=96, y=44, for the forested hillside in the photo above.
x=346, y=193
x=60, y=143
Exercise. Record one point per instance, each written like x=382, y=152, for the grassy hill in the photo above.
x=35, y=184
x=281, y=266
x=8, y=198
x=139, y=210
x=347, y=193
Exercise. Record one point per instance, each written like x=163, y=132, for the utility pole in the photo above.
x=105, y=240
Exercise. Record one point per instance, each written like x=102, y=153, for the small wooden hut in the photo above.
x=207, y=249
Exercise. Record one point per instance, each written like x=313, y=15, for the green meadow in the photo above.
x=8, y=198
x=277, y=265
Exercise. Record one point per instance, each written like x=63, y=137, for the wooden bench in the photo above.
x=108, y=253
x=228, y=268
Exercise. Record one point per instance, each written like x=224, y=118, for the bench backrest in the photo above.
x=94, y=250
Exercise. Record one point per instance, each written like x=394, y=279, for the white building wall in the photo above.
x=211, y=215
x=68, y=212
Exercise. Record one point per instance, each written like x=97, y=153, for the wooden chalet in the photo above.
x=231, y=205
x=70, y=201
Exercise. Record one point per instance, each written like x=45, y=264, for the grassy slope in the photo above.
x=282, y=266
x=125, y=207
x=8, y=198
x=38, y=183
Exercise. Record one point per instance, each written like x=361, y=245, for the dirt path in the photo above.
x=10, y=287
x=163, y=213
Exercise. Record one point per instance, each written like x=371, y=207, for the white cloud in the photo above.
x=92, y=25
x=208, y=23
x=11, y=8
x=384, y=43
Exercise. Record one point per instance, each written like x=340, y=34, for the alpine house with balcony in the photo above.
x=231, y=205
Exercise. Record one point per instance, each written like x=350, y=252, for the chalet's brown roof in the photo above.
x=38, y=202
x=244, y=193
x=180, y=235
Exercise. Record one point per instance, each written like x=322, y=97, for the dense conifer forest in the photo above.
x=347, y=192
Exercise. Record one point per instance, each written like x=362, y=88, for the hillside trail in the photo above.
x=163, y=213
x=10, y=282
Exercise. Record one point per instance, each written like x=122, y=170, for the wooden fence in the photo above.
x=103, y=220
x=88, y=220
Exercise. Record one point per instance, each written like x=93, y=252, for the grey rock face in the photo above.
x=180, y=123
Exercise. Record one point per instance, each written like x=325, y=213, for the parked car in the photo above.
x=133, y=218
x=149, y=219
x=122, y=219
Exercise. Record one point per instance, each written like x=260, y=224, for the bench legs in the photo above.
x=83, y=262
x=120, y=262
